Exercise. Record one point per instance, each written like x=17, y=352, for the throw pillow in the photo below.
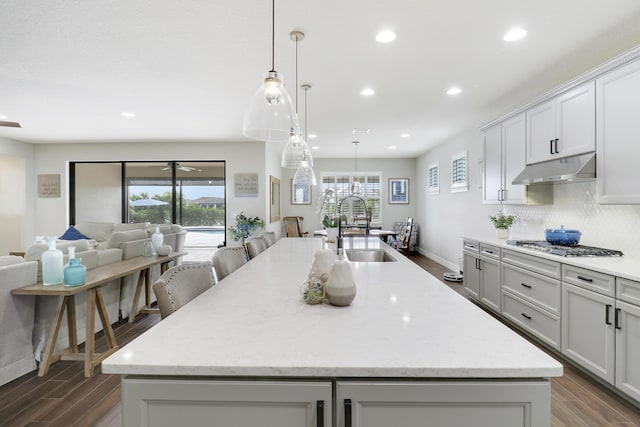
x=72, y=233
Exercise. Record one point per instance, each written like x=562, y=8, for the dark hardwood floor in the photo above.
x=65, y=398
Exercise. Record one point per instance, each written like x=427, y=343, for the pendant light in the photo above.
x=356, y=188
x=294, y=150
x=304, y=174
x=271, y=115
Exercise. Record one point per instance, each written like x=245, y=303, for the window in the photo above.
x=341, y=183
x=433, y=177
x=459, y=173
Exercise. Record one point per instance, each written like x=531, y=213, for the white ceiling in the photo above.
x=188, y=69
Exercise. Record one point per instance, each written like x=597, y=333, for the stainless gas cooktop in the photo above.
x=578, y=250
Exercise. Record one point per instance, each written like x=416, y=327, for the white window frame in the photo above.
x=460, y=172
x=363, y=176
x=433, y=178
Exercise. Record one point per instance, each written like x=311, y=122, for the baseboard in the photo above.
x=450, y=265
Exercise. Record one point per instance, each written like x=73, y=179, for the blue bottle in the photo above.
x=76, y=273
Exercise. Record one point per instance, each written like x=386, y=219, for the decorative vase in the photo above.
x=71, y=251
x=341, y=288
x=52, y=264
x=148, y=248
x=157, y=240
x=502, y=233
x=332, y=234
x=164, y=250
x=76, y=273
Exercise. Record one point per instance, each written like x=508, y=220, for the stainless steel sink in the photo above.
x=369, y=255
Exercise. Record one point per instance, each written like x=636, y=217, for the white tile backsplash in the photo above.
x=575, y=207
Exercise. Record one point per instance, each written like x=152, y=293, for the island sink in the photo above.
x=369, y=255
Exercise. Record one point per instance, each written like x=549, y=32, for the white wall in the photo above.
x=99, y=193
x=241, y=157
x=273, y=151
x=18, y=192
x=390, y=168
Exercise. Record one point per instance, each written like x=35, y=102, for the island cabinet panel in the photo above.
x=627, y=324
x=443, y=403
x=471, y=268
x=185, y=402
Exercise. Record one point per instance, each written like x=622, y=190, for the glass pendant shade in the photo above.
x=356, y=188
x=271, y=114
x=304, y=174
x=293, y=151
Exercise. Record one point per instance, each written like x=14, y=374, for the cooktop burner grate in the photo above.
x=578, y=250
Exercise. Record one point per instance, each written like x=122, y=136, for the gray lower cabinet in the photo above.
x=588, y=334
x=169, y=402
x=471, y=268
x=439, y=403
x=627, y=323
x=166, y=401
x=490, y=282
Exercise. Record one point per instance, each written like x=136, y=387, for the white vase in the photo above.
x=341, y=288
x=157, y=240
x=332, y=234
x=502, y=233
x=52, y=264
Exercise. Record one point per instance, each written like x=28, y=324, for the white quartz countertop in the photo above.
x=623, y=266
x=402, y=323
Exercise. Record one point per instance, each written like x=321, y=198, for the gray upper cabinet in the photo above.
x=504, y=159
x=562, y=126
x=618, y=103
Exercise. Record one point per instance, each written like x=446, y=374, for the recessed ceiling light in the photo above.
x=312, y=136
x=128, y=114
x=515, y=34
x=361, y=131
x=392, y=147
x=315, y=147
x=367, y=92
x=3, y=117
x=405, y=135
x=454, y=91
x=385, y=36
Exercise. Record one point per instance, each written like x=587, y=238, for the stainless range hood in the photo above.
x=574, y=168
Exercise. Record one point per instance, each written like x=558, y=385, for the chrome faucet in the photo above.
x=338, y=210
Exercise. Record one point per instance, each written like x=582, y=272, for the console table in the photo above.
x=96, y=279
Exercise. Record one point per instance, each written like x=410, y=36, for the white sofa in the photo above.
x=16, y=318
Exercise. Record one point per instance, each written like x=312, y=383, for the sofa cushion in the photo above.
x=72, y=233
x=127, y=227
x=99, y=231
x=125, y=236
x=10, y=260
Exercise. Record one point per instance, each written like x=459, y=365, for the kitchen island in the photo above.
x=250, y=351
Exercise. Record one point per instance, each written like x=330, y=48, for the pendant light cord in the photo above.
x=273, y=35
x=305, y=112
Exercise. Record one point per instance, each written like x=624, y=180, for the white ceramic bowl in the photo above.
x=163, y=250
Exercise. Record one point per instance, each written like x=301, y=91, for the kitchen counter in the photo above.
x=402, y=323
x=623, y=266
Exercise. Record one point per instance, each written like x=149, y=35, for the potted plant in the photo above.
x=331, y=223
x=245, y=226
x=502, y=224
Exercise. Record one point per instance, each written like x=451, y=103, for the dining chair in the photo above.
x=255, y=245
x=228, y=259
x=404, y=244
x=180, y=284
x=269, y=237
x=293, y=226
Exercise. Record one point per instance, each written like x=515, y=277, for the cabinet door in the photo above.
x=446, y=403
x=490, y=287
x=618, y=103
x=471, y=274
x=513, y=159
x=628, y=348
x=576, y=121
x=492, y=186
x=175, y=402
x=588, y=336
x=541, y=132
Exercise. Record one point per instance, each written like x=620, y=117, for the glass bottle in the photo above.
x=76, y=273
x=52, y=264
x=157, y=239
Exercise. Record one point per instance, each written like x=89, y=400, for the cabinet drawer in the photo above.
x=628, y=290
x=532, y=263
x=589, y=279
x=489, y=251
x=532, y=287
x=471, y=246
x=541, y=324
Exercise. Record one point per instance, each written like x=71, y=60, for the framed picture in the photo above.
x=398, y=191
x=300, y=194
x=274, y=211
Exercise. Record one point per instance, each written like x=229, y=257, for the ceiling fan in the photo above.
x=10, y=124
x=180, y=167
